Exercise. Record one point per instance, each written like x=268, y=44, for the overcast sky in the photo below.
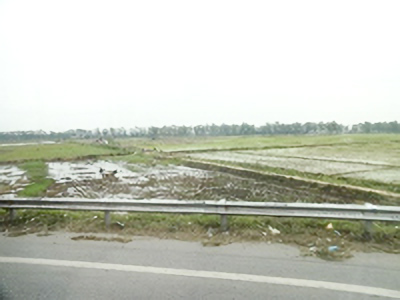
x=86, y=64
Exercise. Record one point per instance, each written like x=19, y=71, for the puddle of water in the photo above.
x=83, y=179
x=78, y=171
x=10, y=175
x=12, y=180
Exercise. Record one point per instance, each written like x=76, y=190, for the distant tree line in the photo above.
x=206, y=130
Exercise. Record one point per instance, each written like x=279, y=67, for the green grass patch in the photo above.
x=36, y=172
x=64, y=151
x=148, y=158
x=36, y=189
x=138, y=158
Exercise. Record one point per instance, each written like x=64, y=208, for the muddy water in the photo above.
x=83, y=180
x=12, y=179
x=25, y=144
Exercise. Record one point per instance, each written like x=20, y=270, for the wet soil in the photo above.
x=12, y=180
x=83, y=179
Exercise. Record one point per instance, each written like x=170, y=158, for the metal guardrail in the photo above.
x=223, y=208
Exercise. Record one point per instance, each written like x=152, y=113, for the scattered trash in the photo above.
x=328, y=240
x=313, y=249
x=95, y=217
x=210, y=232
x=337, y=233
x=329, y=226
x=121, y=224
x=274, y=231
x=189, y=223
x=264, y=233
x=65, y=215
x=118, y=225
x=333, y=248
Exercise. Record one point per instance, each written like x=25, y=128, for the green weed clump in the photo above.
x=36, y=172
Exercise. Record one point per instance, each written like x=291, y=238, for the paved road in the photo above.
x=56, y=267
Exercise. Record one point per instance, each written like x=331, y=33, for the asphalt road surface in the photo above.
x=56, y=267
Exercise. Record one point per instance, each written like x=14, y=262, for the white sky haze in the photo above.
x=86, y=64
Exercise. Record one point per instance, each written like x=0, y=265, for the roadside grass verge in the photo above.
x=310, y=235
x=63, y=151
x=36, y=172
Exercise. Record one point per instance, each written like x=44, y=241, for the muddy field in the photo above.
x=136, y=181
x=83, y=179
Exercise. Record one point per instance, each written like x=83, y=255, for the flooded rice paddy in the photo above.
x=311, y=161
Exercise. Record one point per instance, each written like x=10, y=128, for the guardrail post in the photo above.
x=107, y=218
x=368, y=228
x=12, y=214
x=224, y=223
